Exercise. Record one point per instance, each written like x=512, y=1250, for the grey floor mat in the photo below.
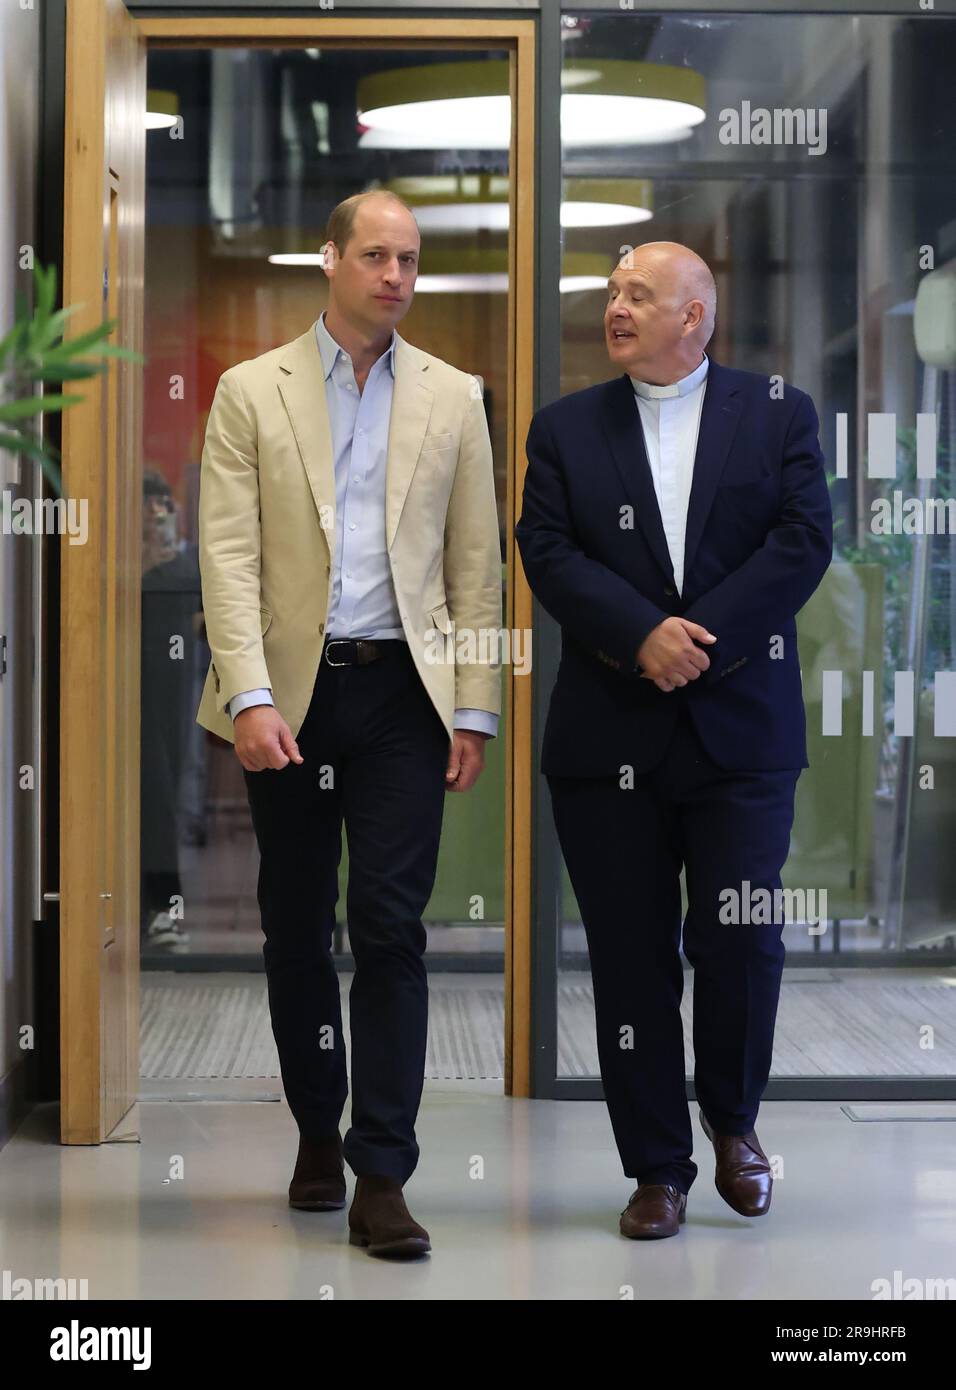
x=829, y=1023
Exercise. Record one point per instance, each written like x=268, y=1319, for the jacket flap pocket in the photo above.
x=440, y=618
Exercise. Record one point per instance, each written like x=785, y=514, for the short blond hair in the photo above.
x=342, y=217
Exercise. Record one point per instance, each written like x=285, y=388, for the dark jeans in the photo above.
x=624, y=850
x=375, y=752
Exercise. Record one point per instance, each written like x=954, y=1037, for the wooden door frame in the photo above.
x=518, y=37
x=105, y=81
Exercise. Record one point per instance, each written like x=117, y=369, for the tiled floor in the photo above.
x=521, y=1199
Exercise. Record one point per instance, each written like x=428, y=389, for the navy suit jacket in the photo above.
x=759, y=539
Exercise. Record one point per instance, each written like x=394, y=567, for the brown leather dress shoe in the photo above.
x=654, y=1211
x=318, y=1183
x=743, y=1176
x=380, y=1220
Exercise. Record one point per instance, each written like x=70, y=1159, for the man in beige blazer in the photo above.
x=348, y=538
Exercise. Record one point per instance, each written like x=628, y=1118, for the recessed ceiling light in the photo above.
x=466, y=105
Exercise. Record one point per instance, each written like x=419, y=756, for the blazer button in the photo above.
x=321, y=628
x=669, y=593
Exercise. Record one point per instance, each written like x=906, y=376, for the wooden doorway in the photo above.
x=103, y=201
x=93, y=1113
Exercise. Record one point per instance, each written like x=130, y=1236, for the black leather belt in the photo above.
x=357, y=651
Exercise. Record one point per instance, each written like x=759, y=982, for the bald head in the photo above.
x=681, y=275
x=662, y=304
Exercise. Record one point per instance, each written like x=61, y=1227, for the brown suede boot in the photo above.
x=318, y=1183
x=380, y=1220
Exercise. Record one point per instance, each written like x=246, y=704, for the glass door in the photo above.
x=257, y=135
x=821, y=193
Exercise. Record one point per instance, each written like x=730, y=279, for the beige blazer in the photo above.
x=267, y=531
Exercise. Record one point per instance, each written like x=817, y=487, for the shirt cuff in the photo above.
x=238, y=703
x=480, y=721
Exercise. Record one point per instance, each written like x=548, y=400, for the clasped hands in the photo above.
x=670, y=655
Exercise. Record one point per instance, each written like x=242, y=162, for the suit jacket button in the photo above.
x=669, y=593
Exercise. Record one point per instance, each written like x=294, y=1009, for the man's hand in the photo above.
x=264, y=739
x=465, y=760
x=669, y=653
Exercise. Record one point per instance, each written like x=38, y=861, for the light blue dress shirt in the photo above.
x=362, y=601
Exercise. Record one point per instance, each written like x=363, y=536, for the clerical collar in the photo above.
x=649, y=391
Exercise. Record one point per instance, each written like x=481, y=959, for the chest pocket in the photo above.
x=757, y=496
x=437, y=443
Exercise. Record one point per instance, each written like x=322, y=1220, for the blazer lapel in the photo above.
x=719, y=417
x=412, y=400
x=720, y=413
x=625, y=434
x=302, y=388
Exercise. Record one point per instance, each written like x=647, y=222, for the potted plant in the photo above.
x=34, y=350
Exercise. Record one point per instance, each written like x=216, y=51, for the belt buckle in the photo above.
x=366, y=651
x=336, y=642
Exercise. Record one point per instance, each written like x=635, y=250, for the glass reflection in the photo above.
x=821, y=195
x=238, y=193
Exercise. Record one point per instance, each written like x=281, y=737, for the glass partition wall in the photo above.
x=251, y=149
x=809, y=160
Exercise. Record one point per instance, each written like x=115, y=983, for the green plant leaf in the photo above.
x=46, y=457
x=71, y=346
x=67, y=371
x=125, y=353
x=53, y=328
x=45, y=281
x=65, y=353
x=22, y=444
x=33, y=405
x=7, y=344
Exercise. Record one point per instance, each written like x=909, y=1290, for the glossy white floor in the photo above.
x=521, y=1199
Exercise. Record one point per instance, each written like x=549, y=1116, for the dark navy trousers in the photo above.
x=375, y=752
x=624, y=849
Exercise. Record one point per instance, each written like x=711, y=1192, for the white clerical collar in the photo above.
x=649, y=391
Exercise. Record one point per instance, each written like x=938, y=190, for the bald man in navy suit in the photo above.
x=674, y=521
